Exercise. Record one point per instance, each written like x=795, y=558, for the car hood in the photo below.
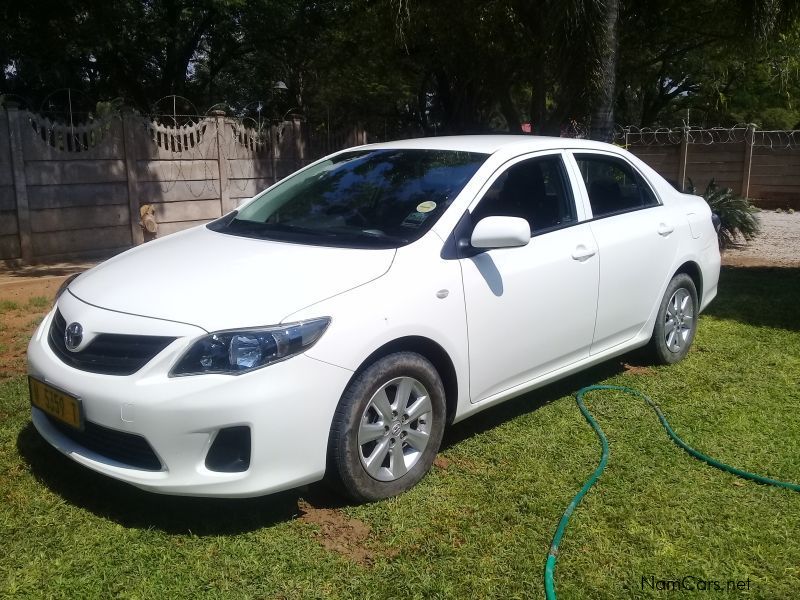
x=218, y=281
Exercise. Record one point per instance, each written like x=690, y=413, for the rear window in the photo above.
x=613, y=186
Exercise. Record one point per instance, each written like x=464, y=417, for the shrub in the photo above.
x=738, y=216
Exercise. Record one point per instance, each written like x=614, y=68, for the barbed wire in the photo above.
x=246, y=143
x=183, y=147
x=185, y=152
x=738, y=134
x=575, y=130
x=776, y=140
x=658, y=136
x=186, y=145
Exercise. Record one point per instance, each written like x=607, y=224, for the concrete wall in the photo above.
x=68, y=192
x=9, y=228
x=76, y=191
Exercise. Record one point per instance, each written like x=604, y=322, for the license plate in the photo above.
x=57, y=404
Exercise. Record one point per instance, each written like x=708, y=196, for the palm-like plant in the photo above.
x=738, y=217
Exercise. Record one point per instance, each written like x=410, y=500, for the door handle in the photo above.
x=582, y=253
x=664, y=229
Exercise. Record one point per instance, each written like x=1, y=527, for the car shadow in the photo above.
x=134, y=508
x=131, y=507
x=488, y=270
x=536, y=399
x=761, y=296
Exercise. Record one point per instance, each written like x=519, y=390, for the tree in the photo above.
x=602, y=127
x=139, y=50
x=710, y=75
x=406, y=67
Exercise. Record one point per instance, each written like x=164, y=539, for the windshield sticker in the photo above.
x=426, y=207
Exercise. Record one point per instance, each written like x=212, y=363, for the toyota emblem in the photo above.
x=73, y=336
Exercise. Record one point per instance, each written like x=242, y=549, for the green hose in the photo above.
x=550, y=565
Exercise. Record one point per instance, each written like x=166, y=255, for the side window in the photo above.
x=535, y=190
x=613, y=185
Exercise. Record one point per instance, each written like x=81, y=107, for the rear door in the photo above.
x=637, y=245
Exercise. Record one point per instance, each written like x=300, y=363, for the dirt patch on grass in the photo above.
x=630, y=369
x=23, y=305
x=15, y=331
x=26, y=295
x=339, y=533
x=441, y=462
x=21, y=291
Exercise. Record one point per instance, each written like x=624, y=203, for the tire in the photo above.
x=676, y=323
x=387, y=428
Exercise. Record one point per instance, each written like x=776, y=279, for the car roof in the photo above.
x=489, y=144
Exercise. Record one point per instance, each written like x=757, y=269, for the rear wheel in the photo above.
x=387, y=428
x=676, y=323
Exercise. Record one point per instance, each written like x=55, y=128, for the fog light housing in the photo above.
x=230, y=452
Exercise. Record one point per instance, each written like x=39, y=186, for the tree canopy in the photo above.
x=407, y=67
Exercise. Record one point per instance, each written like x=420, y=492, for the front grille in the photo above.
x=126, y=448
x=108, y=353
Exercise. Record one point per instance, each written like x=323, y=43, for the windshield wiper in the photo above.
x=332, y=234
x=377, y=233
x=259, y=227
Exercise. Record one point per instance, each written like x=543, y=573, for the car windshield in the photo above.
x=361, y=199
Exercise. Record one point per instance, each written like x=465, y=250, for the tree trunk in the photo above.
x=539, y=95
x=602, y=125
x=510, y=112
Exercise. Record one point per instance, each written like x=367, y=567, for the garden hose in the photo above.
x=550, y=565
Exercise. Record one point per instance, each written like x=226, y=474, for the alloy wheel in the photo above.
x=679, y=320
x=394, y=429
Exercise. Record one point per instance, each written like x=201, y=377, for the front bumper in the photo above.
x=288, y=407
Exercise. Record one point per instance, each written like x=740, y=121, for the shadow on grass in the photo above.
x=45, y=272
x=758, y=296
x=132, y=507
x=761, y=296
x=527, y=403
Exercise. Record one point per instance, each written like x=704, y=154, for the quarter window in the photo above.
x=534, y=190
x=613, y=185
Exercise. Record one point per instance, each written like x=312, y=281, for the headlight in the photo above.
x=235, y=352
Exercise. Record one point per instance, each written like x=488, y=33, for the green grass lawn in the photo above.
x=480, y=524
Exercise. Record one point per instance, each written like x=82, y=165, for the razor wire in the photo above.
x=776, y=140
x=738, y=134
x=184, y=147
x=178, y=148
x=245, y=143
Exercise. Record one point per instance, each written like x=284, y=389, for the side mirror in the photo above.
x=501, y=232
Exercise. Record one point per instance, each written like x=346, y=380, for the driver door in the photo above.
x=530, y=310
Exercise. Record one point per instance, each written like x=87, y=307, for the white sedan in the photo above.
x=336, y=323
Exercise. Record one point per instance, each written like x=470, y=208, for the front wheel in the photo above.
x=676, y=323
x=387, y=428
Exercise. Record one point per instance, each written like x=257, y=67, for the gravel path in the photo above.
x=778, y=244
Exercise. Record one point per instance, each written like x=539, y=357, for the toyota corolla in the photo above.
x=335, y=324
